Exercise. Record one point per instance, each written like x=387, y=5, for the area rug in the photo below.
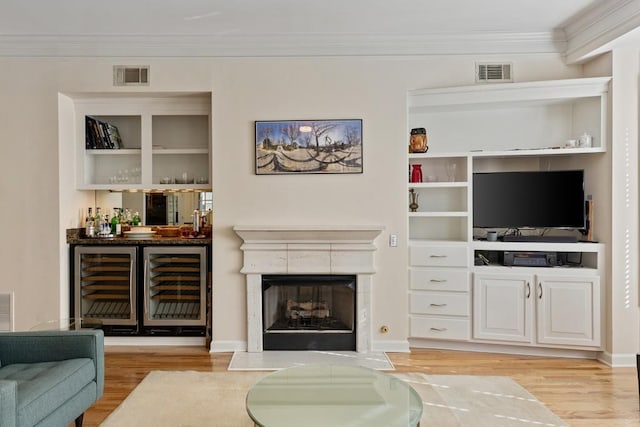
x=191, y=399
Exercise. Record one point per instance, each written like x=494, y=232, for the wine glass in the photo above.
x=451, y=168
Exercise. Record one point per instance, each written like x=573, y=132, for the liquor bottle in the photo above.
x=114, y=222
x=97, y=221
x=106, y=225
x=89, y=229
x=136, y=219
x=119, y=223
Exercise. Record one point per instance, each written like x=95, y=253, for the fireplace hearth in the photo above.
x=309, y=251
x=309, y=312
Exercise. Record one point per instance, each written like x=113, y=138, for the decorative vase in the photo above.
x=418, y=141
x=413, y=206
x=416, y=173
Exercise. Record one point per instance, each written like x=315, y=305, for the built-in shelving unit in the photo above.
x=502, y=127
x=166, y=141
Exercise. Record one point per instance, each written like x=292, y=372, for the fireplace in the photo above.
x=305, y=251
x=309, y=312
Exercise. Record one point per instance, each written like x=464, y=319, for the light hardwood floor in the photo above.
x=581, y=392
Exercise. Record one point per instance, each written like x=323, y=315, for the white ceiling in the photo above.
x=285, y=27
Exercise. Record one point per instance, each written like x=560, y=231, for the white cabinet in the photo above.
x=502, y=127
x=502, y=307
x=568, y=310
x=439, y=298
x=539, y=309
x=166, y=141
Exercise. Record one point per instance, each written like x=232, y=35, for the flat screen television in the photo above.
x=531, y=199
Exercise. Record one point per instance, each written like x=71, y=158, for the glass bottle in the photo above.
x=119, y=222
x=89, y=229
x=114, y=222
x=136, y=219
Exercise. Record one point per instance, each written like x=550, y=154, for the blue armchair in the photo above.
x=49, y=378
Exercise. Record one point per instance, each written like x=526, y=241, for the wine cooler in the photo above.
x=174, y=286
x=141, y=289
x=106, y=282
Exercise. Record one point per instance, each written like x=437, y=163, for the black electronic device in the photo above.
x=529, y=199
x=529, y=259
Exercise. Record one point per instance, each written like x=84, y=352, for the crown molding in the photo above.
x=295, y=45
x=589, y=32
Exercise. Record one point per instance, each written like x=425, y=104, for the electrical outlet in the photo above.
x=393, y=240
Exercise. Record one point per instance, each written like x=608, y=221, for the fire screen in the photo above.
x=309, y=312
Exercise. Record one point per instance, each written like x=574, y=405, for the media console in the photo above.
x=543, y=239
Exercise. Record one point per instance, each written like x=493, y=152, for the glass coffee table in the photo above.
x=329, y=395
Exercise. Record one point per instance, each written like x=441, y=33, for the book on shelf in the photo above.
x=100, y=135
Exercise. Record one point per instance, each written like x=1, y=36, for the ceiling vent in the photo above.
x=130, y=75
x=494, y=72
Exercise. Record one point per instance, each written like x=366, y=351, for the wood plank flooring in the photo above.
x=581, y=392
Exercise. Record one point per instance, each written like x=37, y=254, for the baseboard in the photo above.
x=626, y=360
x=159, y=341
x=227, y=346
x=505, y=349
x=391, y=346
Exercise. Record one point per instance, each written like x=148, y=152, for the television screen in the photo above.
x=538, y=199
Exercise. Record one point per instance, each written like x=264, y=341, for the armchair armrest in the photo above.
x=46, y=346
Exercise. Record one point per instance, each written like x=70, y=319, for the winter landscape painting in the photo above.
x=308, y=146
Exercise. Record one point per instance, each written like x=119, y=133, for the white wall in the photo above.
x=244, y=90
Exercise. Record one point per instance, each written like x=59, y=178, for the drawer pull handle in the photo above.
x=439, y=329
x=437, y=280
x=437, y=256
x=528, y=290
x=437, y=305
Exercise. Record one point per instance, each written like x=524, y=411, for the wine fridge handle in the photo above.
x=146, y=294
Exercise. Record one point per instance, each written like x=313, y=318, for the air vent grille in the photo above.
x=6, y=312
x=494, y=72
x=130, y=75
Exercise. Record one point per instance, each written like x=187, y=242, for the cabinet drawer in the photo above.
x=439, y=303
x=438, y=256
x=449, y=329
x=439, y=280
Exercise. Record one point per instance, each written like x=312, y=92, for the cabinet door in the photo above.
x=174, y=286
x=568, y=310
x=502, y=307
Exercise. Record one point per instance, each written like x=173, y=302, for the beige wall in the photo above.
x=244, y=90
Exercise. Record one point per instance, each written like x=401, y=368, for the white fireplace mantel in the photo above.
x=308, y=250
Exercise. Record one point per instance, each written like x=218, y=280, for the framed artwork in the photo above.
x=308, y=147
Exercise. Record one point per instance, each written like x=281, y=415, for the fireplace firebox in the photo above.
x=309, y=312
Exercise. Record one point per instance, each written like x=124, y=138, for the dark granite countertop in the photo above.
x=75, y=236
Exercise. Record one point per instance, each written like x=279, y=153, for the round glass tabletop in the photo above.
x=330, y=395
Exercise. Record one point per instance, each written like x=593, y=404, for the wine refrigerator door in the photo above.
x=105, y=285
x=174, y=285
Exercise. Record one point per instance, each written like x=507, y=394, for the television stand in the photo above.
x=541, y=239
